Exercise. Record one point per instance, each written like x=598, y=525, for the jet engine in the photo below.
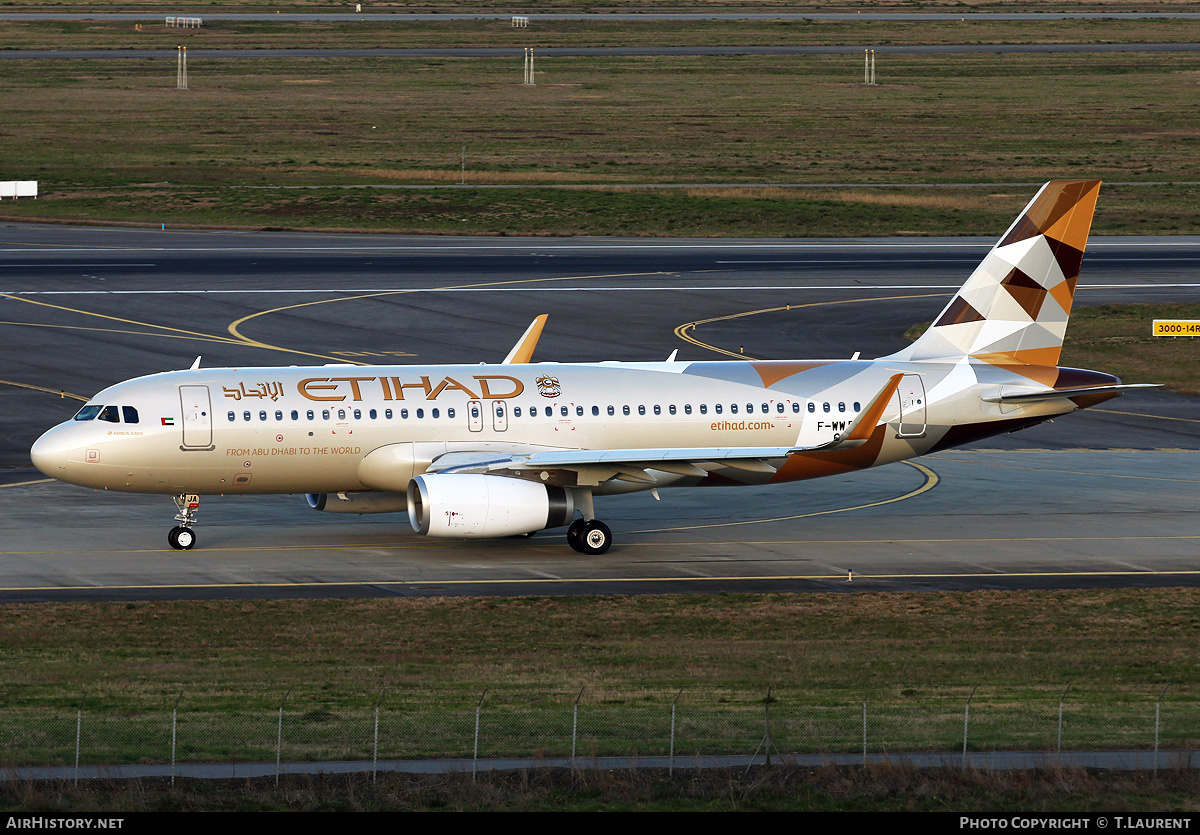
x=470, y=506
x=358, y=502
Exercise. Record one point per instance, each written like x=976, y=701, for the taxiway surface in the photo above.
x=1105, y=497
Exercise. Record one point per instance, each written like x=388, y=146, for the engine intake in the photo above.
x=469, y=506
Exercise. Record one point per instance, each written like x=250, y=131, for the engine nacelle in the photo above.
x=471, y=506
x=359, y=502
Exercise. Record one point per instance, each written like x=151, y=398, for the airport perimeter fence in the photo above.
x=954, y=727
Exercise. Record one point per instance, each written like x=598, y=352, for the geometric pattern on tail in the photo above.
x=1014, y=308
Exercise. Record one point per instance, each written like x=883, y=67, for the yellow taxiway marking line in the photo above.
x=42, y=388
x=26, y=483
x=235, y=325
x=682, y=330
x=838, y=577
x=931, y=481
x=1139, y=414
x=555, y=543
x=944, y=456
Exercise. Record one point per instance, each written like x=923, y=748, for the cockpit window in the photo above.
x=88, y=412
x=130, y=414
x=109, y=413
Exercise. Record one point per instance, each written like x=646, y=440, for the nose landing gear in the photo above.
x=182, y=537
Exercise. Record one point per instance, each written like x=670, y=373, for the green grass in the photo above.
x=120, y=144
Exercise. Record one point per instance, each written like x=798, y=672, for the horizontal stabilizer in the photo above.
x=1053, y=394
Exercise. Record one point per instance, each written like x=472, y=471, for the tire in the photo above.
x=182, y=539
x=595, y=538
x=575, y=534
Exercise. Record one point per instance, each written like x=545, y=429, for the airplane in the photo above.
x=484, y=451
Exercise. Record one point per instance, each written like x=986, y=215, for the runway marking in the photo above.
x=1139, y=414
x=42, y=388
x=27, y=483
x=653, y=288
x=518, y=247
x=235, y=325
x=1067, y=472
x=175, y=333
x=682, y=330
x=931, y=481
x=538, y=581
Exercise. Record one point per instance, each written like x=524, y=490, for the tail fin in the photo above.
x=1013, y=310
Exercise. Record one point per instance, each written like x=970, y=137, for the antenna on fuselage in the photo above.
x=195, y=364
x=674, y=354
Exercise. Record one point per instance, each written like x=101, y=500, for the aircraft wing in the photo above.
x=632, y=464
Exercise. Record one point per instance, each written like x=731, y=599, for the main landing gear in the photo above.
x=182, y=537
x=589, y=536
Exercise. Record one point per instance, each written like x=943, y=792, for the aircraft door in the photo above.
x=499, y=415
x=197, y=417
x=911, y=395
x=475, y=416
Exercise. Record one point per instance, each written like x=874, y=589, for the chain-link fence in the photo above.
x=634, y=728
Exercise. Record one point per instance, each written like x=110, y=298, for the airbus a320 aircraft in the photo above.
x=475, y=451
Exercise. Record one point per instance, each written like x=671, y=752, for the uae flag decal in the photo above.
x=167, y=421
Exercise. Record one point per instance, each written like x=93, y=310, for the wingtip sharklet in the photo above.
x=522, y=352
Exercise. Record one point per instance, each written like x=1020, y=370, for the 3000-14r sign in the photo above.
x=1177, y=327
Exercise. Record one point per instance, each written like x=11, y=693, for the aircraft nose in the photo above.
x=49, y=453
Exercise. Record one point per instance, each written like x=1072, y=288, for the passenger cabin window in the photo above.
x=434, y=413
x=450, y=413
x=595, y=411
x=278, y=415
x=130, y=414
x=420, y=414
x=387, y=413
x=373, y=413
x=578, y=411
x=687, y=408
x=358, y=414
x=232, y=416
x=733, y=408
x=841, y=407
x=825, y=407
x=625, y=410
x=295, y=415
x=657, y=409
x=109, y=413
x=262, y=415
x=611, y=410
x=856, y=406
x=717, y=408
x=563, y=411
x=671, y=408
x=812, y=407
x=310, y=414
x=796, y=408
x=779, y=407
x=641, y=410
x=704, y=408
x=245, y=416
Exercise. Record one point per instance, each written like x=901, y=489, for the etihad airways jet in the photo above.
x=498, y=450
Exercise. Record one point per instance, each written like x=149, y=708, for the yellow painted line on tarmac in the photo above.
x=167, y=328
x=592, y=580
x=684, y=331
x=945, y=456
x=931, y=481
x=235, y=326
x=1139, y=414
x=60, y=393
x=27, y=483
